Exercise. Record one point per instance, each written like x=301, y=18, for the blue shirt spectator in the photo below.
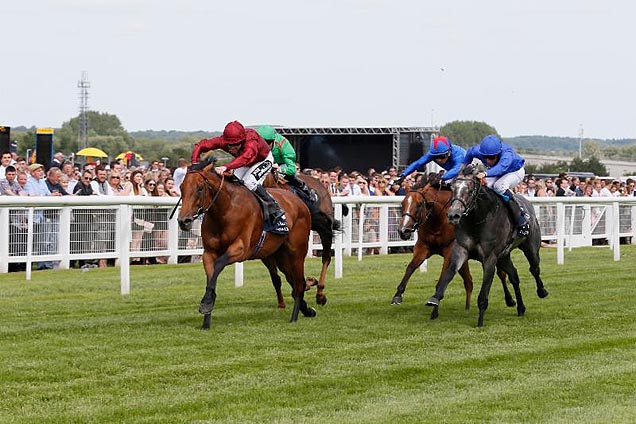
x=36, y=186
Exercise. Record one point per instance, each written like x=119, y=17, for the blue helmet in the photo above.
x=440, y=146
x=490, y=146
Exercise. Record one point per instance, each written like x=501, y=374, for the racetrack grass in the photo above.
x=72, y=349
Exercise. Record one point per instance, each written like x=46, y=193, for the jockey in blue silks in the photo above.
x=504, y=170
x=442, y=152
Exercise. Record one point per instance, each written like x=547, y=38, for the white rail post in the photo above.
x=338, y=242
x=173, y=240
x=4, y=241
x=238, y=274
x=29, y=252
x=124, y=247
x=616, y=231
x=360, y=231
x=633, y=223
x=560, y=232
x=64, y=237
x=384, y=229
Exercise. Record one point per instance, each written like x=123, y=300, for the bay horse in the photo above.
x=322, y=222
x=484, y=232
x=424, y=209
x=232, y=231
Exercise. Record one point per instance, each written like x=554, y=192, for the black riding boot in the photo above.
x=310, y=194
x=519, y=216
x=275, y=217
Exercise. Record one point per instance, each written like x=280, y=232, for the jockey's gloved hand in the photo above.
x=399, y=181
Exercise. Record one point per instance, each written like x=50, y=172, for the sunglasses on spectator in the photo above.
x=114, y=178
x=151, y=184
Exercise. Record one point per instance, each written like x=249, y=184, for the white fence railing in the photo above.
x=70, y=228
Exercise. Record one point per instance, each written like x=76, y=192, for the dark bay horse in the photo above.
x=485, y=233
x=232, y=232
x=424, y=209
x=322, y=222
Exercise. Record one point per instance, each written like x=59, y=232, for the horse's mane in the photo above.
x=433, y=179
x=471, y=170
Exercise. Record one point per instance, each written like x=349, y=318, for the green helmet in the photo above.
x=267, y=132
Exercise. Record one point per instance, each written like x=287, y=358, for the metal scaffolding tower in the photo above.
x=83, y=86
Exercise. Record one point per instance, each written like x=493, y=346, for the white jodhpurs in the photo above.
x=254, y=175
x=507, y=181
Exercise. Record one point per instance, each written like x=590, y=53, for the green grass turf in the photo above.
x=72, y=349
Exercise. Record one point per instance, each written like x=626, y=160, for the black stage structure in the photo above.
x=358, y=148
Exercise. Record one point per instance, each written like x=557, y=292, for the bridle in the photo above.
x=473, y=195
x=209, y=187
x=418, y=209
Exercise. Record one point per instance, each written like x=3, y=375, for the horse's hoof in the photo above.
x=281, y=306
x=434, y=313
x=321, y=300
x=309, y=313
x=511, y=303
x=521, y=312
x=432, y=301
x=397, y=300
x=542, y=293
x=206, y=308
x=206, y=322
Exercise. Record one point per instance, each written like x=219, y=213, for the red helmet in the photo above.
x=234, y=132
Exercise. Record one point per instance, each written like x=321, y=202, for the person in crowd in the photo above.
x=104, y=221
x=179, y=174
x=151, y=187
x=347, y=188
x=252, y=162
x=550, y=189
x=53, y=182
x=5, y=160
x=563, y=188
x=285, y=157
x=531, y=183
x=540, y=188
x=115, y=182
x=364, y=186
x=504, y=171
x=444, y=153
x=36, y=186
x=9, y=186
x=23, y=178
x=100, y=183
x=58, y=160
x=169, y=187
x=576, y=186
x=69, y=171
x=21, y=164
x=83, y=186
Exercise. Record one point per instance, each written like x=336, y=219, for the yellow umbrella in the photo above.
x=93, y=152
x=128, y=155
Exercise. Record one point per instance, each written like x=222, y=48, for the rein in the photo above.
x=202, y=211
x=419, y=208
x=474, y=195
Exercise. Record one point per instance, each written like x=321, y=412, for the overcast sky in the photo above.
x=535, y=67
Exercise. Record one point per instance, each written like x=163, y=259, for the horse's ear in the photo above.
x=466, y=170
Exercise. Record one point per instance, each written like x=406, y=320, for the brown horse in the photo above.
x=232, y=232
x=322, y=221
x=425, y=209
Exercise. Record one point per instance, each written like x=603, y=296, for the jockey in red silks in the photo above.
x=252, y=162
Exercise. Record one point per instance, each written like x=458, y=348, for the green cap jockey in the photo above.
x=282, y=150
